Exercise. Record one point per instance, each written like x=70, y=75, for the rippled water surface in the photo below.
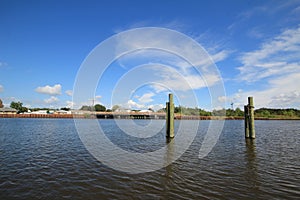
x=45, y=159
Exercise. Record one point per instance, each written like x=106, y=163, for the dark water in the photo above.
x=45, y=159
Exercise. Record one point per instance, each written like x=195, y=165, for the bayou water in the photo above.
x=45, y=159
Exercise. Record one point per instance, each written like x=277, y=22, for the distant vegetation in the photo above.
x=277, y=113
x=198, y=111
x=97, y=107
x=289, y=113
x=18, y=106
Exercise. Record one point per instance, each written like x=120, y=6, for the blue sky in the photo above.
x=254, y=44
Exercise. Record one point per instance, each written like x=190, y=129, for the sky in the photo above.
x=246, y=48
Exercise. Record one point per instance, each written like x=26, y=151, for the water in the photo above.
x=45, y=159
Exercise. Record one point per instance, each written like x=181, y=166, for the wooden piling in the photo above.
x=167, y=120
x=246, y=114
x=171, y=106
x=251, y=117
x=170, y=117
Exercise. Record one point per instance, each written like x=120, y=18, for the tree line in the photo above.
x=273, y=113
x=97, y=107
x=198, y=111
x=261, y=112
x=21, y=109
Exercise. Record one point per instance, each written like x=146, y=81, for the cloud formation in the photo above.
x=1, y=88
x=274, y=70
x=186, y=56
x=50, y=90
x=51, y=100
x=70, y=104
x=276, y=57
x=146, y=98
x=69, y=92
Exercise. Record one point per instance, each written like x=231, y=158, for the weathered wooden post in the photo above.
x=167, y=119
x=251, y=117
x=170, y=117
x=246, y=115
x=171, y=106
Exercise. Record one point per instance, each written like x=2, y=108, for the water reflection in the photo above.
x=169, y=156
x=167, y=178
x=251, y=164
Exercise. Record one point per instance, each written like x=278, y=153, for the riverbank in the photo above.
x=110, y=115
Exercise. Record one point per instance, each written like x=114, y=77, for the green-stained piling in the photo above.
x=249, y=119
x=167, y=119
x=246, y=114
x=170, y=117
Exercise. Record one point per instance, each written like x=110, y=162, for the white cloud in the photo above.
x=98, y=97
x=286, y=99
x=70, y=104
x=275, y=68
x=156, y=107
x=221, y=55
x=222, y=99
x=146, y=98
x=52, y=99
x=283, y=92
x=1, y=88
x=176, y=56
x=51, y=90
x=277, y=57
x=182, y=81
x=133, y=105
x=69, y=92
x=141, y=106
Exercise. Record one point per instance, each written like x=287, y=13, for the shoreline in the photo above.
x=104, y=115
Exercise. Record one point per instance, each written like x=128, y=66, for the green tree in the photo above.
x=16, y=105
x=204, y=113
x=99, y=107
x=1, y=104
x=221, y=112
x=239, y=112
x=178, y=109
x=115, y=107
x=87, y=108
x=291, y=113
x=265, y=113
x=150, y=109
x=230, y=112
x=23, y=109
